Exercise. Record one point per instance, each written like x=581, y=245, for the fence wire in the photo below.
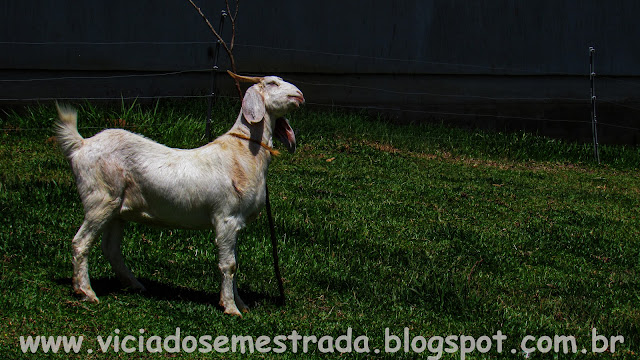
x=285, y=49
x=586, y=100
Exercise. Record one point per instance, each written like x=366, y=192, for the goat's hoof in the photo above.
x=90, y=298
x=233, y=312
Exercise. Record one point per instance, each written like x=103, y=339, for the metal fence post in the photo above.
x=214, y=72
x=594, y=121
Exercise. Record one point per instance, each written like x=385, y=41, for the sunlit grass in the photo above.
x=441, y=230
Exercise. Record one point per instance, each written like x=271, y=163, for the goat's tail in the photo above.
x=67, y=133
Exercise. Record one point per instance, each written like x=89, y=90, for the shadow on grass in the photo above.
x=161, y=291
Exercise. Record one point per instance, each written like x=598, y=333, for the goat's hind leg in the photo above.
x=112, y=250
x=81, y=247
x=99, y=210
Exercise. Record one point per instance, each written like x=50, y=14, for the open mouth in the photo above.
x=285, y=134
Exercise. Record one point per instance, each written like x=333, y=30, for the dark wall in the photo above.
x=420, y=36
x=502, y=64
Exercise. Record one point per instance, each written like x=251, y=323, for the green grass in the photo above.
x=440, y=230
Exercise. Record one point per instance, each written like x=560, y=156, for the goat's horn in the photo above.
x=251, y=79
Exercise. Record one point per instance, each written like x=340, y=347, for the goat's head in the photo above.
x=273, y=96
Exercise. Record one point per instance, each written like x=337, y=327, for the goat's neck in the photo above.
x=261, y=132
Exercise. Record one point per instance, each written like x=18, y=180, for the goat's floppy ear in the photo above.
x=253, y=107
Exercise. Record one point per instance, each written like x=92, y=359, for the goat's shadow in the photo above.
x=105, y=287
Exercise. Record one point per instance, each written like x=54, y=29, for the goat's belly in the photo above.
x=177, y=222
x=166, y=214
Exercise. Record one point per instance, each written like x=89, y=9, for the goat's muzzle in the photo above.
x=298, y=98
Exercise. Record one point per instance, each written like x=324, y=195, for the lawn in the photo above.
x=383, y=229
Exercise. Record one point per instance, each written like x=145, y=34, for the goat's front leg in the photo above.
x=239, y=303
x=226, y=237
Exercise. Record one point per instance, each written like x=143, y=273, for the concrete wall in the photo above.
x=440, y=55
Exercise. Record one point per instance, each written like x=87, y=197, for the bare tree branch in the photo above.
x=227, y=48
x=233, y=21
x=224, y=44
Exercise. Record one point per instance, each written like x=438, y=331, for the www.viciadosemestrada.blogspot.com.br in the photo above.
x=401, y=342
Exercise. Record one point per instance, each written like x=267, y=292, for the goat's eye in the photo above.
x=273, y=83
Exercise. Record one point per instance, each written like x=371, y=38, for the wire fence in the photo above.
x=513, y=70
x=621, y=83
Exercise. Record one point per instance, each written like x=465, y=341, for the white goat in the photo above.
x=123, y=176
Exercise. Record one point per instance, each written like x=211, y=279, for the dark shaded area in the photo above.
x=160, y=291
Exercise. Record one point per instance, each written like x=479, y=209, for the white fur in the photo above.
x=122, y=176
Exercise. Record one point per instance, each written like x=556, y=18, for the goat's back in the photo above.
x=155, y=183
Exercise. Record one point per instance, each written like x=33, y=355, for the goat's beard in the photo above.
x=284, y=133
